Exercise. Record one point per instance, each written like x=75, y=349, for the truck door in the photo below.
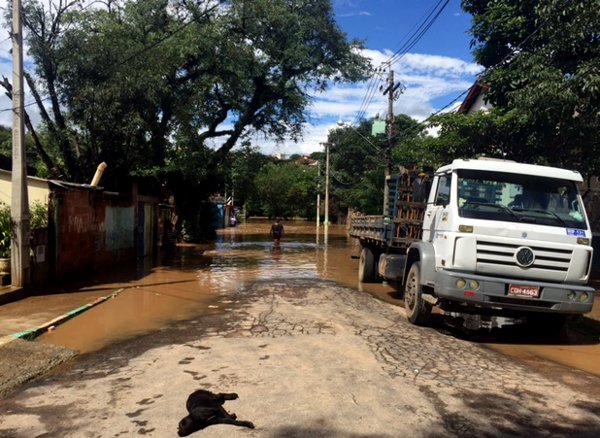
x=436, y=214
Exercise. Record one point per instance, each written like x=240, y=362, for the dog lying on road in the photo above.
x=205, y=409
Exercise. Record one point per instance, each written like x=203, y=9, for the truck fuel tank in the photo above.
x=391, y=266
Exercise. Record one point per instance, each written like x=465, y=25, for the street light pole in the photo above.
x=318, y=196
x=326, y=221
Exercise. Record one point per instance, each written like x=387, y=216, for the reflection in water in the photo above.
x=199, y=276
x=204, y=278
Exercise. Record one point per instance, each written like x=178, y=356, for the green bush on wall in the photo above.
x=38, y=219
x=5, y=230
x=38, y=215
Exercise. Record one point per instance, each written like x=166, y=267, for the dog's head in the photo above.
x=188, y=425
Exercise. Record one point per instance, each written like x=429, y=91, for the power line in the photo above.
x=421, y=31
x=504, y=61
x=410, y=41
x=426, y=23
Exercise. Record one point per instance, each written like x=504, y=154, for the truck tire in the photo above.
x=418, y=311
x=366, y=266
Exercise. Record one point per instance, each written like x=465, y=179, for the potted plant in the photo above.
x=5, y=237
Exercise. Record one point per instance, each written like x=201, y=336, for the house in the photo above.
x=89, y=229
x=475, y=100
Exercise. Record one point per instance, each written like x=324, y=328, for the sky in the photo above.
x=437, y=69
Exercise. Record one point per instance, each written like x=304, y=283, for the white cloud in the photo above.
x=427, y=78
x=431, y=82
x=356, y=14
x=437, y=65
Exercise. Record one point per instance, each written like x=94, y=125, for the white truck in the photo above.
x=494, y=237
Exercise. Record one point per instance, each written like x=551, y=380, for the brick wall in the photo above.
x=93, y=230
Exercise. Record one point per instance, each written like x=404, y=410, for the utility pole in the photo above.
x=392, y=93
x=19, y=202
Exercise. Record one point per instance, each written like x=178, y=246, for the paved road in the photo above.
x=308, y=359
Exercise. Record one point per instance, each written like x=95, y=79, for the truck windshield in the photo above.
x=519, y=198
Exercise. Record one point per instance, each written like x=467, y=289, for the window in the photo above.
x=519, y=198
x=442, y=196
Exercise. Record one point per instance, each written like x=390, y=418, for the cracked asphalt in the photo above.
x=308, y=359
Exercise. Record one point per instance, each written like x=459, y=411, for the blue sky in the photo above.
x=385, y=23
x=435, y=71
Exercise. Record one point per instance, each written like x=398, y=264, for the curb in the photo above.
x=29, y=335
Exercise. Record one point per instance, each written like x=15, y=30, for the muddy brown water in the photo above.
x=206, y=278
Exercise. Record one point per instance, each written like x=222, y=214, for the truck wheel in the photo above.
x=418, y=311
x=366, y=266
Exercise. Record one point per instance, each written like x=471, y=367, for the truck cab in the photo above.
x=500, y=237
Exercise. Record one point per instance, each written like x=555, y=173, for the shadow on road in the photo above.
x=580, y=331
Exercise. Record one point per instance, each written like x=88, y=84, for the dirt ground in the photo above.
x=308, y=359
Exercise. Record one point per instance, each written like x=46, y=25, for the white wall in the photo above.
x=37, y=188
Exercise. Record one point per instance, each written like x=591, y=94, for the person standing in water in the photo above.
x=277, y=231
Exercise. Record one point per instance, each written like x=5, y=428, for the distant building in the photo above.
x=475, y=100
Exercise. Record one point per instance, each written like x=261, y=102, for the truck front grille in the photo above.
x=545, y=258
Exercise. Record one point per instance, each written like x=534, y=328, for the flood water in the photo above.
x=207, y=278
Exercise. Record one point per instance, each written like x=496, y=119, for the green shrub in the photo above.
x=38, y=215
x=5, y=230
x=38, y=219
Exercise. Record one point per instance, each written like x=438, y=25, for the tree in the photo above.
x=543, y=64
x=126, y=79
x=357, y=168
x=274, y=182
x=301, y=194
x=358, y=161
x=242, y=166
x=497, y=133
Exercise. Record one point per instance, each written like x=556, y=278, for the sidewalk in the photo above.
x=23, y=318
x=9, y=294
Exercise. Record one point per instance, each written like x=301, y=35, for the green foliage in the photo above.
x=358, y=161
x=38, y=215
x=5, y=230
x=497, y=133
x=546, y=74
x=5, y=141
x=241, y=167
x=38, y=218
x=134, y=83
x=287, y=189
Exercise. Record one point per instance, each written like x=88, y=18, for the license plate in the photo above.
x=524, y=291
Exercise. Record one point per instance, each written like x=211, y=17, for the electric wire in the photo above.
x=504, y=61
x=421, y=31
x=410, y=41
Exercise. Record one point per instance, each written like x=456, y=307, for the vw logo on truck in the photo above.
x=525, y=257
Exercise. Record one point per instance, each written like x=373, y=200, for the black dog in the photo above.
x=206, y=409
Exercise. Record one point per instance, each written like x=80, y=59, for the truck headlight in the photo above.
x=583, y=297
x=460, y=283
x=474, y=284
x=583, y=241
